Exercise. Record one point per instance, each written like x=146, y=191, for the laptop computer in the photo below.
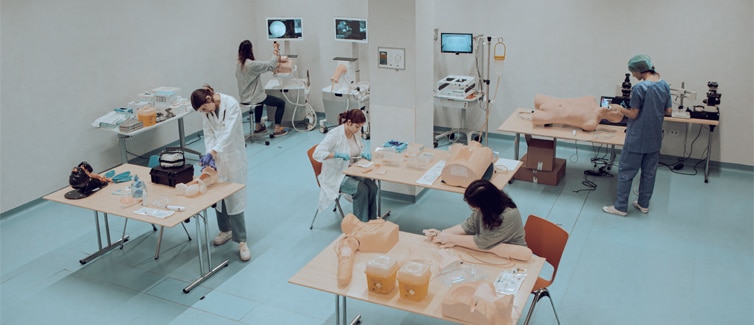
x=622, y=101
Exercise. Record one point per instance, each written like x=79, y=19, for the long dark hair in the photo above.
x=245, y=52
x=354, y=115
x=490, y=200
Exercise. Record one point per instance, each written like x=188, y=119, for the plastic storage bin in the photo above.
x=381, y=272
x=413, y=280
x=147, y=115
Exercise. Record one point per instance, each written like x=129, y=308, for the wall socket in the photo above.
x=674, y=132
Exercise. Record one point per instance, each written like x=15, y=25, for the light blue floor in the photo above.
x=689, y=261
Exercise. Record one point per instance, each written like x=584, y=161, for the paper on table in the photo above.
x=157, y=213
x=432, y=174
x=506, y=164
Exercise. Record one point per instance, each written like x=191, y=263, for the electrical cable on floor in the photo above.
x=676, y=166
x=590, y=185
x=571, y=159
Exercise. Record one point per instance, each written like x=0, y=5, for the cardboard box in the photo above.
x=541, y=154
x=542, y=177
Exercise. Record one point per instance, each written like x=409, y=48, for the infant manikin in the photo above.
x=199, y=184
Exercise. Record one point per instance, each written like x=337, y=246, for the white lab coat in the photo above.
x=335, y=141
x=223, y=132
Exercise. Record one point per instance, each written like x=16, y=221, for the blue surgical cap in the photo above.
x=640, y=63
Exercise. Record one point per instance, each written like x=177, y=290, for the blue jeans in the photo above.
x=273, y=101
x=630, y=163
x=235, y=222
x=364, y=193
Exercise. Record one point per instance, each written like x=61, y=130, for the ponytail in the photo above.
x=354, y=115
x=245, y=52
x=199, y=96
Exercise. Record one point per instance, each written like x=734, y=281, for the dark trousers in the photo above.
x=273, y=101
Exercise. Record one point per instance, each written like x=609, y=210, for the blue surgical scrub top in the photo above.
x=644, y=134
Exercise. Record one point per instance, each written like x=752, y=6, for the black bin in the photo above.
x=172, y=176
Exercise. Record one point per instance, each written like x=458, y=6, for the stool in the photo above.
x=249, y=108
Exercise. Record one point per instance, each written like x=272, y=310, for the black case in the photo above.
x=172, y=176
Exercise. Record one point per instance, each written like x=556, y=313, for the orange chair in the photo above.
x=317, y=166
x=547, y=240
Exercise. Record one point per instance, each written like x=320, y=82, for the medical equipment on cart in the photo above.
x=457, y=87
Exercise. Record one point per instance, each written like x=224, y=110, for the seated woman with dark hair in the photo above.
x=494, y=225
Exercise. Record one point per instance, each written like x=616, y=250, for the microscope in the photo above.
x=712, y=100
x=625, y=87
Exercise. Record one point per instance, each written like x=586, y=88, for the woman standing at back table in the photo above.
x=226, y=148
x=650, y=102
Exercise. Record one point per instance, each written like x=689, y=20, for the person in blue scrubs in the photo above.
x=650, y=102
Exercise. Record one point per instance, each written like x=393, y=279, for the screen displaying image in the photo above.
x=456, y=43
x=284, y=29
x=352, y=30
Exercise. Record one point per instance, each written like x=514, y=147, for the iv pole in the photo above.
x=487, y=95
x=488, y=100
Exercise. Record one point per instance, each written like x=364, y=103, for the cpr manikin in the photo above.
x=199, y=184
x=377, y=235
x=477, y=303
x=340, y=70
x=581, y=112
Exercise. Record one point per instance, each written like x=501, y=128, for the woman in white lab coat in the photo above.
x=335, y=152
x=225, y=144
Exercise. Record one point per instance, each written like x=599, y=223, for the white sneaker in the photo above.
x=244, y=251
x=638, y=207
x=223, y=237
x=612, y=210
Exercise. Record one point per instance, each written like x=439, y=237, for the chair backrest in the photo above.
x=546, y=239
x=316, y=165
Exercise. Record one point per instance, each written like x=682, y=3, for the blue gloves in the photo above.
x=342, y=156
x=207, y=160
x=366, y=155
x=122, y=177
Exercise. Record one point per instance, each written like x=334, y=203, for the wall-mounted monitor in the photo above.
x=351, y=30
x=284, y=29
x=456, y=43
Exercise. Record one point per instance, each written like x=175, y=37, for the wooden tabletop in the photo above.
x=105, y=201
x=520, y=122
x=320, y=274
x=403, y=174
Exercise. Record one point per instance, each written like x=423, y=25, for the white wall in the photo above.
x=580, y=47
x=65, y=63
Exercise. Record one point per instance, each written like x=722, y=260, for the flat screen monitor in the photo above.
x=284, y=29
x=351, y=30
x=456, y=43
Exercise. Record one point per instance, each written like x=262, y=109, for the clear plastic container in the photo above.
x=413, y=280
x=381, y=272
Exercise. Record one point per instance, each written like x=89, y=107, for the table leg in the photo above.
x=337, y=310
x=201, y=220
x=612, y=156
x=709, y=153
x=516, y=142
x=182, y=139
x=109, y=247
x=123, y=149
x=341, y=314
x=379, y=202
x=344, y=310
x=379, y=197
